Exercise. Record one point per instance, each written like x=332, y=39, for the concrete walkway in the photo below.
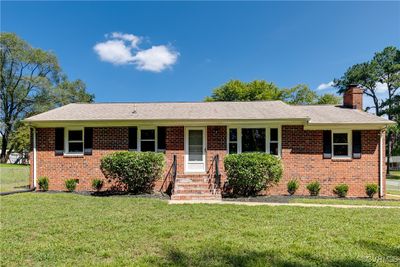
x=308, y=205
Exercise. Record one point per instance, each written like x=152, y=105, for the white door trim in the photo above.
x=187, y=168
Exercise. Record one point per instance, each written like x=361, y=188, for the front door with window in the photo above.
x=195, y=158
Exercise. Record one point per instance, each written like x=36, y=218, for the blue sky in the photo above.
x=176, y=51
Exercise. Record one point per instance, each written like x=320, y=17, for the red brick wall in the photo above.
x=301, y=156
x=302, y=160
x=84, y=168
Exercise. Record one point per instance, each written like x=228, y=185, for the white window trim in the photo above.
x=349, y=144
x=267, y=137
x=139, y=137
x=66, y=141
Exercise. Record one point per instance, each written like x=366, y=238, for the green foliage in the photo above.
x=292, y=186
x=329, y=99
x=70, y=184
x=384, y=68
x=341, y=190
x=236, y=90
x=258, y=90
x=249, y=173
x=43, y=183
x=97, y=184
x=31, y=82
x=137, y=171
x=314, y=188
x=371, y=190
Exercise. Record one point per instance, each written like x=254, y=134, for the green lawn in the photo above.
x=344, y=201
x=394, y=175
x=13, y=177
x=71, y=229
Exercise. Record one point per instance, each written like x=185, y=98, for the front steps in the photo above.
x=194, y=187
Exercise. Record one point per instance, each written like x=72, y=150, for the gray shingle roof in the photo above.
x=258, y=110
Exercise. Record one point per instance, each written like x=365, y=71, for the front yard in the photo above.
x=71, y=229
x=13, y=177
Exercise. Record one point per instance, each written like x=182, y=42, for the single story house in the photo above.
x=331, y=144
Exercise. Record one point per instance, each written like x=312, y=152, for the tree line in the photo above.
x=32, y=82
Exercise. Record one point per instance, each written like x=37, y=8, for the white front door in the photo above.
x=195, y=146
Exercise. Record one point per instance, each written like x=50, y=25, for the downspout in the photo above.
x=381, y=146
x=34, y=158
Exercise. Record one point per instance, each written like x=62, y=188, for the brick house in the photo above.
x=331, y=144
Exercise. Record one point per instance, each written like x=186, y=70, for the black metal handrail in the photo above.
x=214, y=175
x=170, y=178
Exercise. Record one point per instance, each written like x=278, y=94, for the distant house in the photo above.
x=331, y=144
x=394, y=163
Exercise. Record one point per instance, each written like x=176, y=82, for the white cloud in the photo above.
x=381, y=87
x=123, y=48
x=156, y=58
x=324, y=86
x=114, y=51
x=135, y=40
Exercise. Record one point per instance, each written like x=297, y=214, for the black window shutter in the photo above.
x=88, y=142
x=327, y=140
x=161, y=134
x=59, y=142
x=132, y=143
x=356, y=144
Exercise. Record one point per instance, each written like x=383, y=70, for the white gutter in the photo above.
x=34, y=157
x=381, y=164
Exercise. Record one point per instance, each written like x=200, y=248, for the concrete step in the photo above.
x=192, y=180
x=182, y=191
x=206, y=196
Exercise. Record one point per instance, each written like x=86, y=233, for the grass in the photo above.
x=70, y=229
x=394, y=175
x=346, y=201
x=13, y=177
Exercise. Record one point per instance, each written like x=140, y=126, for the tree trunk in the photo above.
x=3, y=155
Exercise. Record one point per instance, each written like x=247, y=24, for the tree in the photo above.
x=302, y=95
x=383, y=71
x=329, y=99
x=31, y=81
x=236, y=90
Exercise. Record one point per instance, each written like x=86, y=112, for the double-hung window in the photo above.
x=147, y=140
x=341, y=144
x=74, y=141
x=273, y=141
x=233, y=141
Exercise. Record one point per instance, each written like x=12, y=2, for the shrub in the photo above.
x=292, y=186
x=341, y=190
x=371, y=190
x=249, y=173
x=314, y=188
x=97, y=184
x=70, y=184
x=43, y=183
x=136, y=171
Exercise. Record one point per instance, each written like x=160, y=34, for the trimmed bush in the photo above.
x=70, y=184
x=43, y=183
x=292, y=186
x=371, y=190
x=314, y=188
x=97, y=184
x=249, y=173
x=136, y=171
x=341, y=190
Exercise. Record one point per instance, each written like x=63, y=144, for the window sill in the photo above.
x=346, y=159
x=73, y=155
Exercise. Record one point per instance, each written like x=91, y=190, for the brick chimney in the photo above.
x=353, y=97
